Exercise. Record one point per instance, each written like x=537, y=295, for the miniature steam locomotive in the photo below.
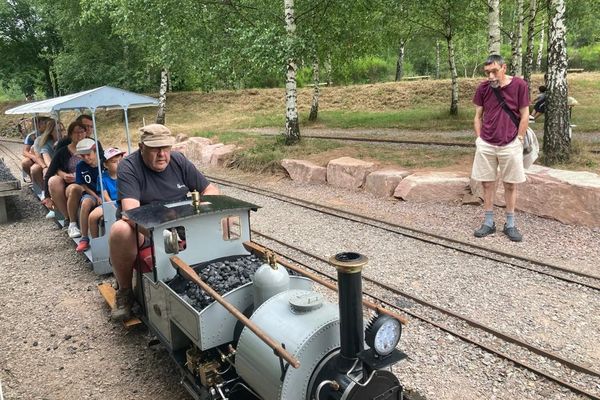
x=239, y=328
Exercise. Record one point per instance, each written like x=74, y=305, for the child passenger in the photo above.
x=86, y=175
x=113, y=157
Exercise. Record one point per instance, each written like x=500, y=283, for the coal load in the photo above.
x=5, y=174
x=222, y=276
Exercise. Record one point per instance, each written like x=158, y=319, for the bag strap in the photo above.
x=505, y=106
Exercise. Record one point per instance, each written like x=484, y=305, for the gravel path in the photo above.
x=56, y=340
x=544, y=311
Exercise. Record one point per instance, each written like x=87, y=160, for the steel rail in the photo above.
x=509, y=338
x=453, y=332
x=436, y=239
x=381, y=140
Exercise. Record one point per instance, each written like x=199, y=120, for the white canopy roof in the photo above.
x=104, y=98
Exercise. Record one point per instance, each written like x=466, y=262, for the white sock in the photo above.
x=72, y=224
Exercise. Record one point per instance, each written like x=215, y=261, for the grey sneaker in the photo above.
x=124, y=301
x=485, y=230
x=512, y=233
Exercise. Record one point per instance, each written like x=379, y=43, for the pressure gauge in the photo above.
x=383, y=334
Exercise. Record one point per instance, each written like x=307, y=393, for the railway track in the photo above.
x=8, y=151
x=555, y=271
x=373, y=285
x=383, y=140
x=514, y=260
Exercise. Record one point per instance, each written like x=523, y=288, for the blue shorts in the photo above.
x=89, y=196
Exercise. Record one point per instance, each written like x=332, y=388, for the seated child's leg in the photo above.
x=73, y=193
x=94, y=220
x=88, y=203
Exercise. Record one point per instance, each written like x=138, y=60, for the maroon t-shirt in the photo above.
x=497, y=128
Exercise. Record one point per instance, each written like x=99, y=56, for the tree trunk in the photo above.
x=538, y=64
x=528, y=67
x=452, y=64
x=400, y=62
x=314, y=107
x=494, y=26
x=329, y=70
x=517, y=43
x=162, y=97
x=48, y=82
x=557, y=140
x=437, y=59
x=292, y=126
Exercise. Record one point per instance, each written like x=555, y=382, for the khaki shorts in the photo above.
x=490, y=159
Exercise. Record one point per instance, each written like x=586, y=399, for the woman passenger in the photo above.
x=43, y=149
x=58, y=188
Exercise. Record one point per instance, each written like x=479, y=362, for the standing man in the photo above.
x=499, y=144
x=151, y=174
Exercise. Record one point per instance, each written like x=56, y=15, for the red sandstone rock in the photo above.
x=384, y=181
x=433, y=186
x=304, y=171
x=347, y=172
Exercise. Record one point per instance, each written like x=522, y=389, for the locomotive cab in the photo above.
x=225, y=348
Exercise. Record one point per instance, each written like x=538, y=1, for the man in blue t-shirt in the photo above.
x=151, y=174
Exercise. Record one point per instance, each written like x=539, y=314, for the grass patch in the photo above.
x=436, y=118
x=414, y=157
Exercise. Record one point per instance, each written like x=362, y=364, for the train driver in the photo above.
x=151, y=174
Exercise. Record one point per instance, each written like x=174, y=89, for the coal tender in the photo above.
x=239, y=326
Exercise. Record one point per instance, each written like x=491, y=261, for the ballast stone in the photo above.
x=304, y=171
x=383, y=182
x=348, y=172
x=433, y=186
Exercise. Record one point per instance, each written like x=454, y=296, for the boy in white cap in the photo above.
x=113, y=157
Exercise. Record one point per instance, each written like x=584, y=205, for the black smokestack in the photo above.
x=349, y=267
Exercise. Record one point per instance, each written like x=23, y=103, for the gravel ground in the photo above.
x=57, y=341
x=541, y=310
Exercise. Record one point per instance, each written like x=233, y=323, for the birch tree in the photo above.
x=292, y=126
x=314, y=106
x=494, y=39
x=557, y=140
x=162, y=97
x=447, y=19
x=538, y=63
x=437, y=59
x=528, y=65
x=516, y=63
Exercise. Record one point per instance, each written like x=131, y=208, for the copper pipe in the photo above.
x=189, y=273
x=251, y=246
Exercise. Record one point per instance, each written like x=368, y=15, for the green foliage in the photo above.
x=586, y=57
x=367, y=69
x=10, y=90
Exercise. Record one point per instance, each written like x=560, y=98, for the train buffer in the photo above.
x=109, y=294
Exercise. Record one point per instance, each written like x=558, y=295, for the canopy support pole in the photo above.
x=127, y=131
x=98, y=158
